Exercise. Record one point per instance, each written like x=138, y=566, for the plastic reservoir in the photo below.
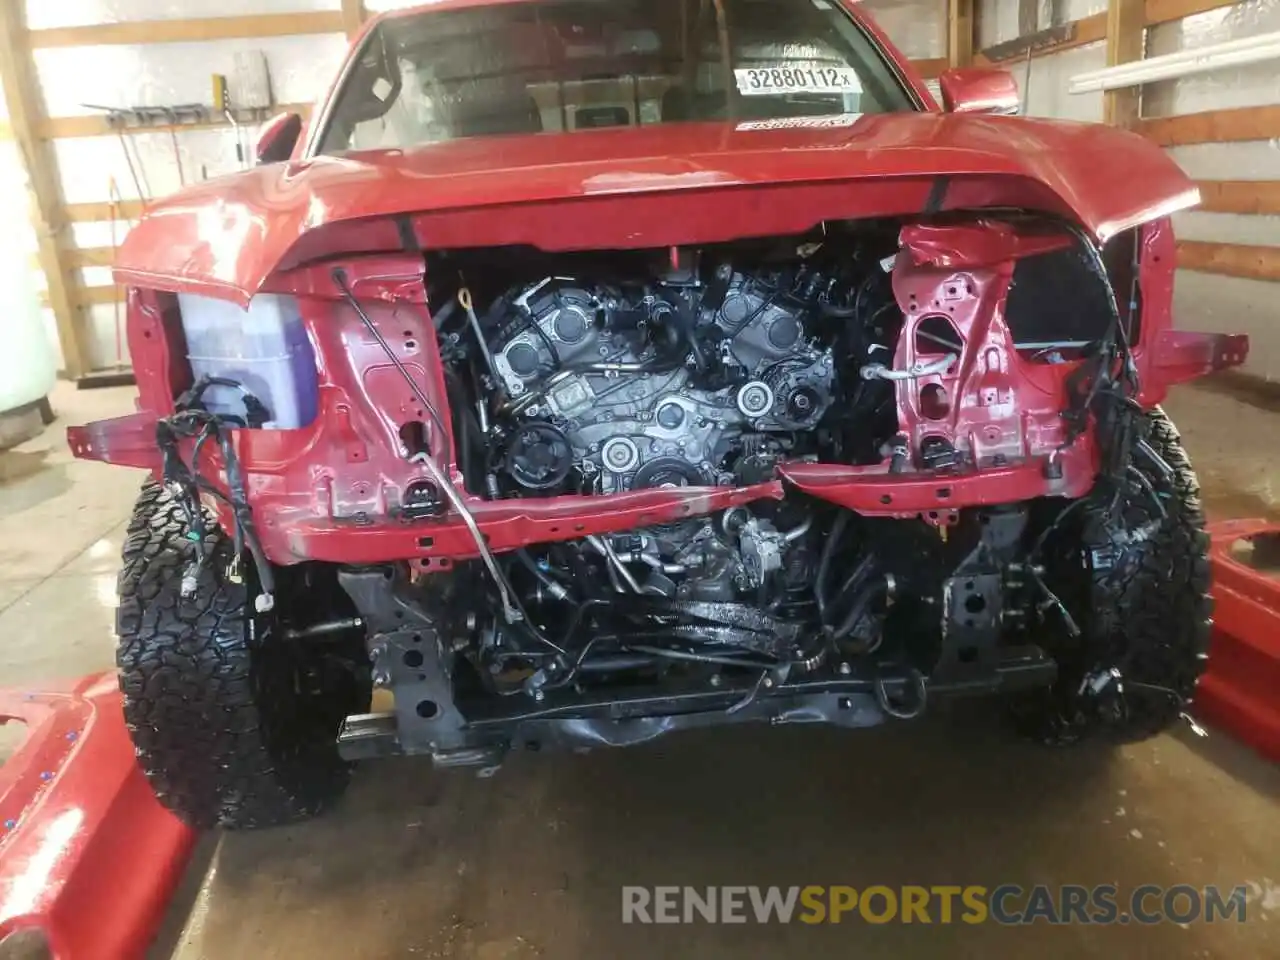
x=265, y=349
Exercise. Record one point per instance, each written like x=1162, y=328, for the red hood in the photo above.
x=649, y=186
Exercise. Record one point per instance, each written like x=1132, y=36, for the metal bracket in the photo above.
x=409, y=657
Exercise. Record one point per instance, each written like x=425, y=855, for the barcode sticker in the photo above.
x=774, y=81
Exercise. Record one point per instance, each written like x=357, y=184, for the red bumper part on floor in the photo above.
x=1241, y=690
x=87, y=855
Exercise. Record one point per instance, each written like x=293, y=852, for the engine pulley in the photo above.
x=539, y=456
x=668, y=472
x=755, y=399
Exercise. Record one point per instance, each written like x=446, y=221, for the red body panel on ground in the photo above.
x=1241, y=691
x=87, y=855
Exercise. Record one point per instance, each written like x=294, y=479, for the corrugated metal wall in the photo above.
x=1043, y=79
x=1207, y=301
x=1204, y=301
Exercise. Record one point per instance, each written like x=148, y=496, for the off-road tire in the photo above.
x=1153, y=625
x=210, y=695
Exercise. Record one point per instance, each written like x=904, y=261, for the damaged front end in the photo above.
x=590, y=498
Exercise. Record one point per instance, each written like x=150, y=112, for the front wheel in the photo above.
x=230, y=724
x=1134, y=566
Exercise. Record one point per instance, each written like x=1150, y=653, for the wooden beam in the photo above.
x=96, y=125
x=931, y=69
x=104, y=211
x=92, y=256
x=1239, y=196
x=44, y=186
x=189, y=31
x=80, y=257
x=1126, y=42
x=1214, y=126
x=1230, y=259
x=97, y=296
x=92, y=296
x=352, y=17
x=959, y=33
x=1077, y=33
x=1163, y=11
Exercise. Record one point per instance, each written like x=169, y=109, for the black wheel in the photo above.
x=234, y=725
x=1133, y=568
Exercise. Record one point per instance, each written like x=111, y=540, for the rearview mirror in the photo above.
x=278, y=138
x=979, y=90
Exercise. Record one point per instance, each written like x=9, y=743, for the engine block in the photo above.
x=659, y=388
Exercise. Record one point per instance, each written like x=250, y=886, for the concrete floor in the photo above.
x=530, y=864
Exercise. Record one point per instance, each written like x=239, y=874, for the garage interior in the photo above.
x=110, y=103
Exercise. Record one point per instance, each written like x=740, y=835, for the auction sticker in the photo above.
x=802, y=123
x=772, y=81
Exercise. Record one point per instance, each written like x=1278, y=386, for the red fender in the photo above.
x=87, y=854
x=1240, y=692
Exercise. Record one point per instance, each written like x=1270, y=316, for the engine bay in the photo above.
x=724, y=369
x=704, y=371
x=670, y=384
x=839, y=468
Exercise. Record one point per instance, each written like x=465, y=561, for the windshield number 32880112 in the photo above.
x=771, y=81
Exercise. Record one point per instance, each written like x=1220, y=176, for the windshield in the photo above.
x=569, y=65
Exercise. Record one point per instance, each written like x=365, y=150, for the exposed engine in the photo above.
x=683, y=380
x=581, y=376
x=679, y=383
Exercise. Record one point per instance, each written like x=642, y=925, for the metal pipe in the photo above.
x=468, y=305
x=327, y=628
x=612, y=556
x=657, y=564
x=878, y=371
x=794, y=535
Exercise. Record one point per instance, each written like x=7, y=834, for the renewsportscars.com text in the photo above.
x=1005, y=904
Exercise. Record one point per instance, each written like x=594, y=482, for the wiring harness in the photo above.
x=192, y=421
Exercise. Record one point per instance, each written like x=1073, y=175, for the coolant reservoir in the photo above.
x=264, y=349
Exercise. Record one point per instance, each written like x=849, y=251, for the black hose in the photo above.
x=544, y=578
x=824, y=564
x=1048, y=531
x=614, y=662
x=860, y=573
x=464, y=444
x=1149, y=490
x=861, y=603
x=440, y=317
x=575, y=623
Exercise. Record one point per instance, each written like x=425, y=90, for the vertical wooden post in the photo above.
x=960, y=29
x=1126, y=34
x=352, y=17
x=44, y=186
